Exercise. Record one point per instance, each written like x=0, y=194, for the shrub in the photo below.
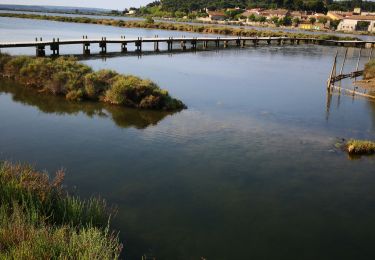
x=369, y=72
x=76, y=81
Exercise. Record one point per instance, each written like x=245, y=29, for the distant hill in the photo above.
x=57, y=9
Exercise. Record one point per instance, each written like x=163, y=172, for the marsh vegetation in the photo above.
x=40, y=220
x=67, y=77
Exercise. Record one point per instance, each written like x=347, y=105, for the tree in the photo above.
x=334, y=23
x=149, y=20
x=275, y=20
x=286, y=21
x=296, y=21
x=312, y=20
x=252, y=18
x=322, y=20
x=262, y=19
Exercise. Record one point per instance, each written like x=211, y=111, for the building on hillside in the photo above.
x=302, y=16
x=357, y=11
x=279, y=13
x=254, y=11
x=357, y=23
x=216, y=15
x=334, y=16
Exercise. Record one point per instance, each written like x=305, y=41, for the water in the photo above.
x=249, y=171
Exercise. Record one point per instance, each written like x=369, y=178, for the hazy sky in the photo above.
x=109, y=4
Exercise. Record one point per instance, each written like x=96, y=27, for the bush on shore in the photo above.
x=39, y=220
x=360, y=147
x=76, y=81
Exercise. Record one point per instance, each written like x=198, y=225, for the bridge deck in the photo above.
x=165, y=39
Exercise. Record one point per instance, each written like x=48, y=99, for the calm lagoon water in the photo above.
x=249, y=171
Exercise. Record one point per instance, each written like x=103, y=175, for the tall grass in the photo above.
x=76, y=81
x=39, y=220
x=224, y=30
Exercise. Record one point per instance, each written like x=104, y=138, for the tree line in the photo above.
x=188, y=6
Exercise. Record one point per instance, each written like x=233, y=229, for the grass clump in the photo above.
x=76, y=81
x=369, y=72
x=39, y=220
x=360, y=147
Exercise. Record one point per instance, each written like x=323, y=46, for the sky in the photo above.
x=108, y=4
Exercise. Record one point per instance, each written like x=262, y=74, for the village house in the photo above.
x=216, y=15
x=338, y=15
x=254, y=11
x=279, y=13
x=302, y=16
x=357, y=22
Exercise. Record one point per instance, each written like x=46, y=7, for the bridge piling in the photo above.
x=55, y=48
x=183, y=45
x=225, y=44
x=194, y=44
x=238, y=42
x=243, y=43
x=103, y=45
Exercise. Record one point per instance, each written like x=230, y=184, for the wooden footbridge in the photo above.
x=173, y=42
x=337, y=77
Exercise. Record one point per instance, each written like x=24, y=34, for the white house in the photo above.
x=350, y=23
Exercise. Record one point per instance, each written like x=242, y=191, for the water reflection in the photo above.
x=122, y=117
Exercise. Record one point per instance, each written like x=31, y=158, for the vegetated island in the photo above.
x=360, y=147
x=151, y=24
x=67, y=77
x=40, y=220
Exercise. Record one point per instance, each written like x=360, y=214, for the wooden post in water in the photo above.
x=359, y=59
x=124, y=44
x=225, y=44
x=333, y=73
x=369, y=57
x=343, y=62
x=55, y=48
x=138, y=44
x=269, y=41
x=156, y=44
x=103, y=45
x=183, y=45
x=194, y=44
x=238, y=42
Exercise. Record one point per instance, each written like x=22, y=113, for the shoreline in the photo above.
x=193, y=28
x=187, y=21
